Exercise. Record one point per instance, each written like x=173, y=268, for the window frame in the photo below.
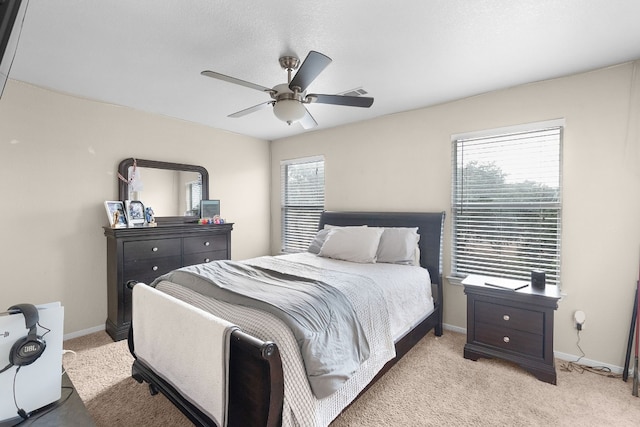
x=308, y=226
x=457, y=204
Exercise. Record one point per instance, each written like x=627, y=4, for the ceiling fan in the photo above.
x=288, y=99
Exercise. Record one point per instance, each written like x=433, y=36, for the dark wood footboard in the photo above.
x=256, y=382
x=256, y=385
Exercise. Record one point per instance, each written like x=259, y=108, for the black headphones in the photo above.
x=27, y=349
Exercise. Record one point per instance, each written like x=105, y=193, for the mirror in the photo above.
x=172, y=190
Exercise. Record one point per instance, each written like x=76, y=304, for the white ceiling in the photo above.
x=148, y=54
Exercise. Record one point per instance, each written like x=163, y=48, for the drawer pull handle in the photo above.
x=155, y=268
x=506, y=317
x=154, y=249
x=506, y=339
x=207, y=260
x=206, y=243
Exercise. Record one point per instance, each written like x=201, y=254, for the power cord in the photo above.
x=581, y=368
x=34, y=415
x=72, y=360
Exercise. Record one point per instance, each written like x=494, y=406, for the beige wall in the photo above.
x=58, y=161
x=59, y=154
x=403, y=163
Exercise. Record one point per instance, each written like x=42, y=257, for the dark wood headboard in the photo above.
x=430, y=227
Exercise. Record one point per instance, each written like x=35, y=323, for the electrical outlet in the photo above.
x=579, y=317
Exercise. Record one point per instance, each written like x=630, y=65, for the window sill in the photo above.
x=455, y=280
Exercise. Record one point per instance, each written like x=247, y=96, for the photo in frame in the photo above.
x=135, y=212
x=209, y=208
x=116, y=214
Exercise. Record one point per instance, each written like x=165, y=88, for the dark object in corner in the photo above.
x=11, y=16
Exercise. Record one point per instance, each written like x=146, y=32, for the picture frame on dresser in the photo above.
x=135, y=212
x=116, y=214
x=209, y=208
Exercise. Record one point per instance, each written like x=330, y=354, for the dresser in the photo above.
x=512, y=325
x=144, y=253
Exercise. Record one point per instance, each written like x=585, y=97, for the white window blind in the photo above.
x=507, y=205
x=194, y=195
x=302, y=190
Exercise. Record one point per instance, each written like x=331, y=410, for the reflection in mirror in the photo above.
x=169, y=193
x=172, y=190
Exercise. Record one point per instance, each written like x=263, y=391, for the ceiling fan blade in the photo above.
x=250, y=109
x=311, y=68
x=308, y=121
x=350, y=101
x=229, y=79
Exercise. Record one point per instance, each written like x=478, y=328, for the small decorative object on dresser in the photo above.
x=116, y=214
x=135, y=212
x=512, y=324
x=149, y=216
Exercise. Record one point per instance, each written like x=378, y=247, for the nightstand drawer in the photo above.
x=145, y=249
x=198, y=244
x=509, y=317
x=510, y=339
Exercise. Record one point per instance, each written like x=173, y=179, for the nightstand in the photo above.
x=516, y=326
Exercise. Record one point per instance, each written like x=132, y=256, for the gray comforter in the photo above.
x=328, y=332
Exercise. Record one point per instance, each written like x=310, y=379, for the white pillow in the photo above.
x=355, y=244
x=321, y=236
x=398, y=245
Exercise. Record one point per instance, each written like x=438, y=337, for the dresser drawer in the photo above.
x=509, y=317
x=212, y=242
x=202, y=257
x=143, y=269
x=146, y=249
x=510, y=339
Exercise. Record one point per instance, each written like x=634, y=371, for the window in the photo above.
x=507, y=204
x=302, y=182
x=193, y=196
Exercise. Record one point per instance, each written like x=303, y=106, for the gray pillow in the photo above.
x=318, y=241
x=398, y=245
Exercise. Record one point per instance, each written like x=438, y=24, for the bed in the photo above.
x=266, y=372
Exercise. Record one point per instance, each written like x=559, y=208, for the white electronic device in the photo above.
x=579, y=317
x=30, y=358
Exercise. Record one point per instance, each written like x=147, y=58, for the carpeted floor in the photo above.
x=433, y=385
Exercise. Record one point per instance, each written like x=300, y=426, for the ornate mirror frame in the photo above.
x=123, y=187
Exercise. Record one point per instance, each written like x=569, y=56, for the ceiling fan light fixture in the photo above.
x=289, y=110
x=289, y=99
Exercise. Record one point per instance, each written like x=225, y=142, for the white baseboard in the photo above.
x=558, y=355
x=83, y=332
x=589, y=362
x=453, y=328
